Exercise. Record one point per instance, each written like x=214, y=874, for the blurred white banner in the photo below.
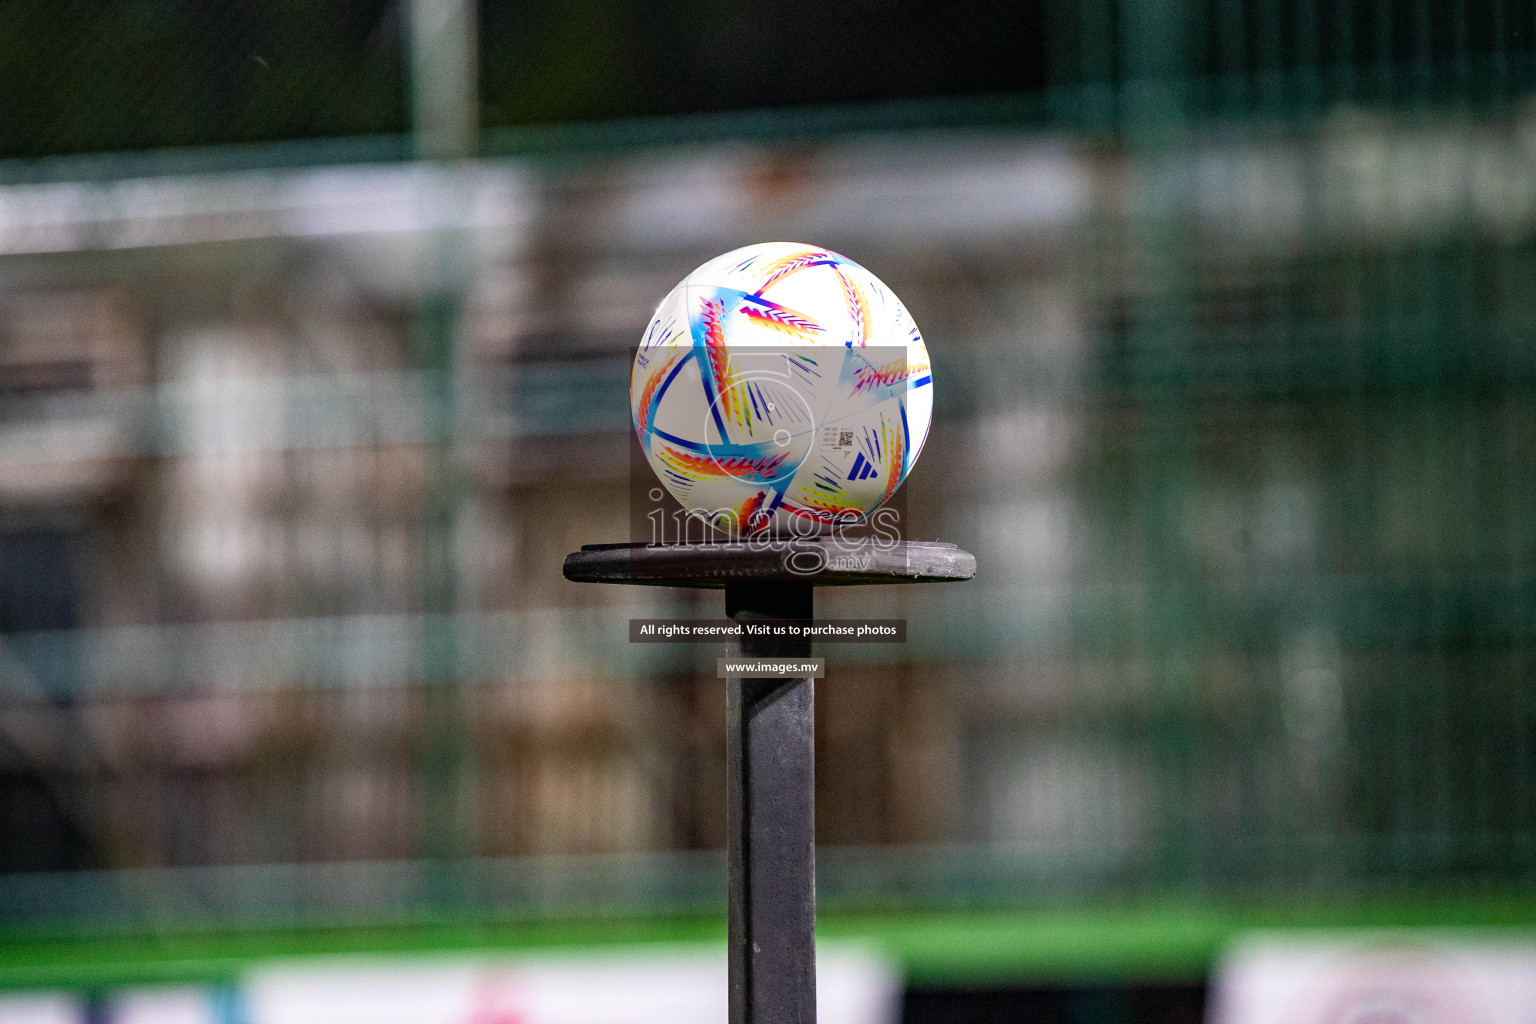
x=41, y=1008
x=685, y=986
x=852, y=987
x=1380, y=978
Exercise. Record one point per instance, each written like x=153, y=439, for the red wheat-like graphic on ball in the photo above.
x=786, y=265
x=749, y=508
x=858, y=306
x=785, y=321
x=733, y=402
x=893, y=372
x=692, y=464
x=651, y=386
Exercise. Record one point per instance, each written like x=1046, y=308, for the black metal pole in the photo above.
x=770, y=820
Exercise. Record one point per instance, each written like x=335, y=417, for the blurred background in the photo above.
x=315, y=320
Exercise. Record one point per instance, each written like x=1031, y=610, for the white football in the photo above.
x=781, y=386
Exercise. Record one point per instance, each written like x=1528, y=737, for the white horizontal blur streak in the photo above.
x=327, y=202
x=229, y=415
x=1371, y=177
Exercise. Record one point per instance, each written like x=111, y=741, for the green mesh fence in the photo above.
x=1235, y=342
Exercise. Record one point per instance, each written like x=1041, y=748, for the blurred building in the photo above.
x=1237, y=424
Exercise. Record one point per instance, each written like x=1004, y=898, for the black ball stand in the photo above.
x=770, y=765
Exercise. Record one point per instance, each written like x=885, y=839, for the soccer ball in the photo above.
x=783, y=388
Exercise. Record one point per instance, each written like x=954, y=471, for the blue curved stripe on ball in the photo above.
x=650, y=414
x=701, y=352
x=701, y=356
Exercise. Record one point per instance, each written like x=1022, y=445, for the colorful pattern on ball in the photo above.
x=780, y=382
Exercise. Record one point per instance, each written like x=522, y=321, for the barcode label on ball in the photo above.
x=836, y=439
